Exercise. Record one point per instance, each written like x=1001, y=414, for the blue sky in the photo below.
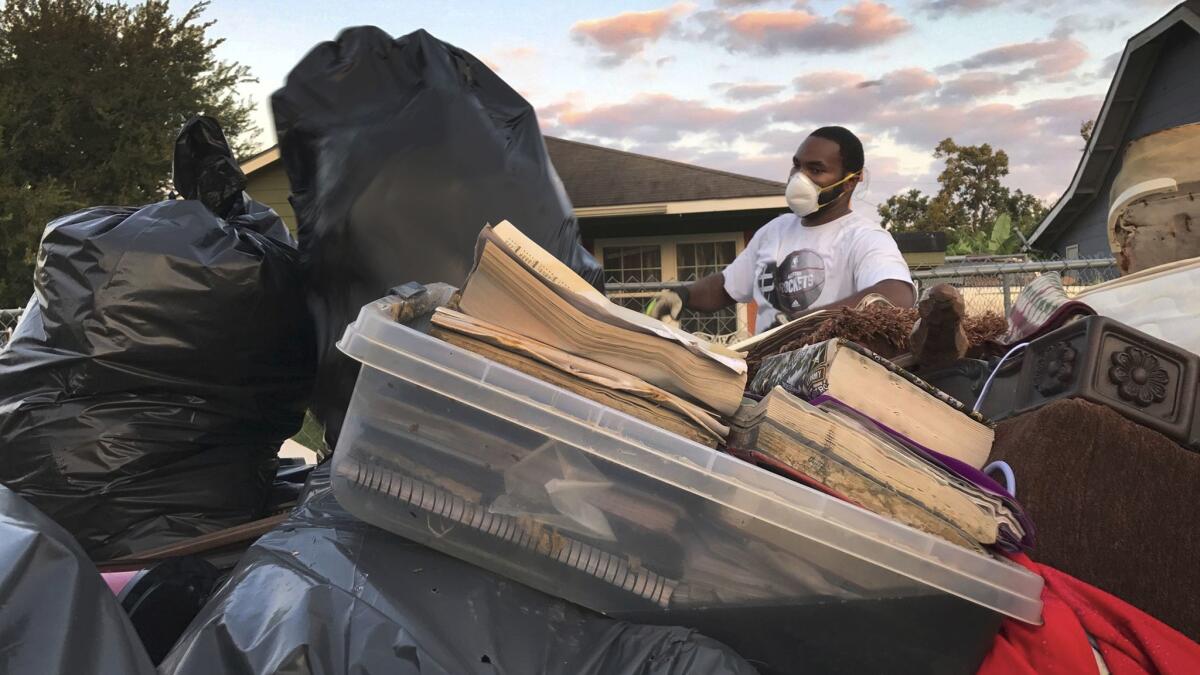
x=735, y=84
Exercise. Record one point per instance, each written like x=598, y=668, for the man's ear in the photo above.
x=853, y=183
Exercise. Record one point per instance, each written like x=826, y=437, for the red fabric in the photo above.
x=1130, y=641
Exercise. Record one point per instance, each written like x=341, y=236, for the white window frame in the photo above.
x=1071, y=252
x=667, y=258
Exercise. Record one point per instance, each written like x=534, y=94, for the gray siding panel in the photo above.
x=1171, y=98
x=1092, y=240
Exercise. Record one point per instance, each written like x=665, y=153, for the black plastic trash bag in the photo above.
x=204, y=169
x=398, y=152
x=164, y=357
x=326, y=594
x=57, y=616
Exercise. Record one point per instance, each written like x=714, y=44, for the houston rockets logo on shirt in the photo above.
x=796, y=283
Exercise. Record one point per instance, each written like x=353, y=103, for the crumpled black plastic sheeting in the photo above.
x=326, y=594
x=205, y=169
x=57, y=616
x=398, y=152
x=164, y=357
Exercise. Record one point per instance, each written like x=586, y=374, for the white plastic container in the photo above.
x=553, y=490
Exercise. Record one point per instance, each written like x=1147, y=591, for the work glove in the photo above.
x=780, y=319
x=667, y=304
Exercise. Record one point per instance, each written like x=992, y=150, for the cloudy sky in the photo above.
x=736, y=84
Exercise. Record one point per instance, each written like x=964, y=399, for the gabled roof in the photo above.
x=597, y=179
x=1108, y=136
x=260, y=160
x=599, y=176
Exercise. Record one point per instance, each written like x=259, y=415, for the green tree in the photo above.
x=977, y=212
x=907, y=211
x=970, y=183
x=1085, y=130
x=93, y=95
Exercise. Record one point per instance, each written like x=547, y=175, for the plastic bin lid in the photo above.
x=377, y=341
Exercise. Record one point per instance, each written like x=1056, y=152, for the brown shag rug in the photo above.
x=882, y=329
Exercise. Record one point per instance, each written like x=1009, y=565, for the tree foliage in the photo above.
x=1085, y=130
x=972, y=204
x=93, y=95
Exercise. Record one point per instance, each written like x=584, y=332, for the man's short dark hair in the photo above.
x=851, y=147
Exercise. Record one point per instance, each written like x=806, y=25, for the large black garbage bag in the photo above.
x=398, y=152
x=326, y=594
x=166, y=354
x=57, y=616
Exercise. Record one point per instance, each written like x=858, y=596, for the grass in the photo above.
x=312, y=436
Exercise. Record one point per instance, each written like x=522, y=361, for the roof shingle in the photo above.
x=599, y=176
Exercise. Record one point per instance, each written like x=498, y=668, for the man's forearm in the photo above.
x=897, y=292
x=708, y=294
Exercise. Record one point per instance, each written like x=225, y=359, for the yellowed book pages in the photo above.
x=550, y=269
x=776, y=441
x=845, y=373
x=503, y=292
x=577, y=366
x=896, y=403
x=553, y=272
x=617, y=400
x=881, y=462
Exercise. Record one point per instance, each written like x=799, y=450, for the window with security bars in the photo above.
x=714, y=325
x=632, y=264
x=652, y=263
x=637, y=303
x=697, y=260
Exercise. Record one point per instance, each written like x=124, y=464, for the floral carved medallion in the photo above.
x=1138, y=377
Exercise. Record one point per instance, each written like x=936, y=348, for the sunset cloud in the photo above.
x=941, y=7
x=521, y=53
x=1108, y=67
x=854, y=27
x=1087, y=23
x=655, y=118
x=978, y=85
x=621, y=37
x=1048, y=59
x=907, y=82
x=910, y=109
x=825, y=80
x=1003, y=95
x=501, y=59
x=748, y=91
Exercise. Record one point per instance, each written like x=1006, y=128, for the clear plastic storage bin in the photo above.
x=583, y=502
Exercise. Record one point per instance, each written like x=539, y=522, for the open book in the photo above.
x=844, y=372
x=520, y=287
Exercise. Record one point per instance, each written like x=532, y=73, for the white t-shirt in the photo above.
x=789, y=267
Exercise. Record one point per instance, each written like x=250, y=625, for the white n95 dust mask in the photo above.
x=804, y=197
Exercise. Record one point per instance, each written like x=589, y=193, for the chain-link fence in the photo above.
x=8, y=321
x=987, y=285
x=992, y=285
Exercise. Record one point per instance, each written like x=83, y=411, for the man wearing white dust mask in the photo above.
x=820, y=256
